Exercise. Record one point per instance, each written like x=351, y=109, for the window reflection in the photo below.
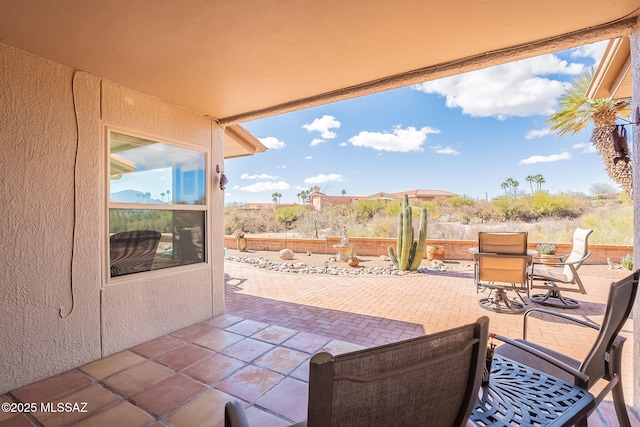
x=144, y=240
x=144, y=171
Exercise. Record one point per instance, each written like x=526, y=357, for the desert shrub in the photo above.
x=506, y=209
x=364, y=210
x=610, y=226
x=560, y=205
x=289, y=214
x=393, y=208
x=383, y=226
x=627, y=262
x=457, y=202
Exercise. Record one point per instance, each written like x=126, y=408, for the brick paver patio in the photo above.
x=259, y=351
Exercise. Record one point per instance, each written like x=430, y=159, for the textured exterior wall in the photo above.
x=50, y=319
x=635, y=87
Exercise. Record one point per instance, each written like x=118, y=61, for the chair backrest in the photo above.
x=511, y=243
x=429, y=380
x=133, y=251
x=503, y=268
x=622, y=295
x=579, y=251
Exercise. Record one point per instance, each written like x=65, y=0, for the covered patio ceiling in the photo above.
x=245, y=59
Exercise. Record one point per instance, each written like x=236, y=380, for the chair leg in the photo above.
x=620, y=406
x=560, y=300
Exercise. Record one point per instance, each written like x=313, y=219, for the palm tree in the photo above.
x=343, y=192
x=275, y=197
x=162, y=195
x=168, y=194
x=514, y=188
x=539, y=179
x=504, y=186
x=577, y=110
x=530, y=179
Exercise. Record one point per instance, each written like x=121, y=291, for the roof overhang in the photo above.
x=246, y=59
x=612, y=78
x=239, y=142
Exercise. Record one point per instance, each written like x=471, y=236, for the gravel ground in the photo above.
x=317, y=260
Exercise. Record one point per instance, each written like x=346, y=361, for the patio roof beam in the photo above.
x=620, y=27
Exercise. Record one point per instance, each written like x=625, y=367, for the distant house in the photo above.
x=320, y=200
x=424, y=195
x=272, y=206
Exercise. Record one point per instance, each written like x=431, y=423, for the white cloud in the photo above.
x=323, y=125
x=444, y=150
x=586, y=147
x=265, y=186
x=272, y=143
x=513, y=89
x=316, y=141
x=593, y=50
x=402, y=140
x=323, y=179
x=544, y=159
x=281, y=167
x=343, y=144
x=537, y=133
x=259, y=176
x=308, y=157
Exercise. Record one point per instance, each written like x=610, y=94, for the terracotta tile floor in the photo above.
x=259, y=351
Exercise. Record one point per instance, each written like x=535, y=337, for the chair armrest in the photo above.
x=560, y=264
x=234, y=415
x=560, y=257
x=581, y=379
x=556, y=314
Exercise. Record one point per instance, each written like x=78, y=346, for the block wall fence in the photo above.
x=370, y=246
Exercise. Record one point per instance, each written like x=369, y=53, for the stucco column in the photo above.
x=635, y=77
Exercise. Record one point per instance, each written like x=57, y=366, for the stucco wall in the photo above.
x=43, y=330
x=635, y=85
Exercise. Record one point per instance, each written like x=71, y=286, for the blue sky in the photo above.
x=464, y=134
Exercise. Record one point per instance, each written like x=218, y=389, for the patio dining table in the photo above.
x=518, y=395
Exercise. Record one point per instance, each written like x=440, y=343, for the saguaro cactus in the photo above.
x=409, y=252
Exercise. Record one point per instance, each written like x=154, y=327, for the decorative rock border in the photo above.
x=302, y=268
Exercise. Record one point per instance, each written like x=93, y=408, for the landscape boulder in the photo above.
x=286, y=254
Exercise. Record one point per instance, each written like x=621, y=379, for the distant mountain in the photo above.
x=132, y=196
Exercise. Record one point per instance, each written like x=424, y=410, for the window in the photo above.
x=157, y=205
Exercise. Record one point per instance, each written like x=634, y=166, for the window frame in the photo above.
x=109, y=205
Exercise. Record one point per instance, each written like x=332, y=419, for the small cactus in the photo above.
x=409, y=252
x=627, y=262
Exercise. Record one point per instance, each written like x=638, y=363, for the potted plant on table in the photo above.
x=352, y=258
x=547, y=252
x=491, y=349
x=241, y=241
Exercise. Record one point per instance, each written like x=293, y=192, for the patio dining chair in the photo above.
x=603, y=361
x=507, y=243
x=429, y=380
x=568, y=278
x=501, y=265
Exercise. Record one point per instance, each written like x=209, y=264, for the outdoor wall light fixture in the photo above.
x=223, y=178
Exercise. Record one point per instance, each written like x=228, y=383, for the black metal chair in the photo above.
x=429, y=380
x=604, y=358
